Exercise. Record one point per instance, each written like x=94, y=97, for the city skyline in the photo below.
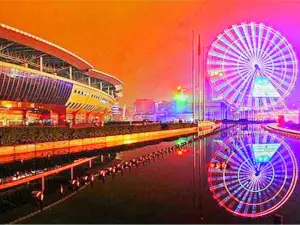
x=138, y=42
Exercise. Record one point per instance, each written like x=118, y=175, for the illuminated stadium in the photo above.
x=43, y=82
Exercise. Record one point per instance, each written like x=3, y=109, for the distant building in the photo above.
x=129, y=113
x=289, y=116
x=144, y=107
x=117, y=112
x=163, y=110
x=163, y=107
x=182, y=105
x=116, y=109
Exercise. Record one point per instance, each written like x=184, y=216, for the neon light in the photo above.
x=237, y=52
x=250, y=188
x=264, y=152
x=264, y=88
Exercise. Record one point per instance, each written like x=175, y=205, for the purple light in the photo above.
x=249, y=187
x=238, y=53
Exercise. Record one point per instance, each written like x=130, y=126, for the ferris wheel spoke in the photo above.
x=264, y=101
x=240, y=42
x=245, y=88
x=225, y=50
x=272, y=139
x=245, y=181
x=224, y=85
x=282, y=54
x=259, y=42
x=241, y=57
x=282, y=85
x=241, y=73
x=248, y=40
x=278, y=76
x=261, y=183
x=246, y=169
x=236, y=53
x=242, y=89
x=248, y=162
x=256, y=103
x=236, y=189
x=289, y=63
x=239, y=48
x=289, y=71
x=226, y=69
x=221, y=62
x=241, y=39
x=258, y=185
x=223, y=56
x=275, y=81
x=235, y=163
x=272, y=43
x=256, y=139
x=273, y=102
x=264, y=139
x=233, y=80
x=235, y=71
x=264, y=44
x=245, y=198
x=253, y=34
x=249, y=102
x=228, y=85
x=278, y=45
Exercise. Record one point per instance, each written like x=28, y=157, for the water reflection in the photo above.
x=252, y=173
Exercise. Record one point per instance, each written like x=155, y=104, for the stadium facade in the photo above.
x=43, y=82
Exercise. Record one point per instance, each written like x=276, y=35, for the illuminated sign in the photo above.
x=264, y=152
x=264, y=88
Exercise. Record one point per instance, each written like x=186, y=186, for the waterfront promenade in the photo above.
x=91, y=141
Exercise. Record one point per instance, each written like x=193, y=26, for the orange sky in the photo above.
x=147, y=44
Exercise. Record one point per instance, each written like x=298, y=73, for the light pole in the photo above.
x=193, y=77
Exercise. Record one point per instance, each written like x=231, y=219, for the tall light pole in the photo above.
x=203, y=82
x=193, y=77
x=200, y=96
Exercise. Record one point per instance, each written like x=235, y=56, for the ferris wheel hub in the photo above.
x=256, y=66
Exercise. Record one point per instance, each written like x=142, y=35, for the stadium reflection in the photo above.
x=252, y=172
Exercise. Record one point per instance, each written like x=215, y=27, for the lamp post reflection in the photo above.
x=199, y=173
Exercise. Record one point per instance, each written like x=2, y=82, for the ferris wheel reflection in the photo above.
x=252, y=173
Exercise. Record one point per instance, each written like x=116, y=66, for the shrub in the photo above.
x=27, y=135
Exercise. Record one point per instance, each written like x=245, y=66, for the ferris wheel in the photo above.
x=252, y=67
x=257, y=174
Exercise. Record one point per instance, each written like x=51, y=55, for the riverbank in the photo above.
x=274, y=128
x=45, y=149
x=29, y=135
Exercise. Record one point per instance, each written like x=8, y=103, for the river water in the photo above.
x=240, y=175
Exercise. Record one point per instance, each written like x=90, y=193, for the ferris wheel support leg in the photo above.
x=283, y=103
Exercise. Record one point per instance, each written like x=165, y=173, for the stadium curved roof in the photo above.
x=20, y=47
x=101, y=75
